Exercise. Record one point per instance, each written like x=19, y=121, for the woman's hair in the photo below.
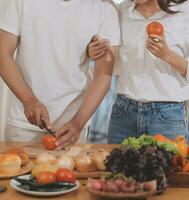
x=166, y=4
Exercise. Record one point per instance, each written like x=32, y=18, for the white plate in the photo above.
x=15, y=185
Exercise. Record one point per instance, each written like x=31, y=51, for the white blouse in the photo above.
x=142, y=76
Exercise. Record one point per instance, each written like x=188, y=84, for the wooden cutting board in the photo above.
x=33, y=149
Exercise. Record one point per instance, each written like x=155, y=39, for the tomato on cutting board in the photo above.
x=46, y=177
x=155, y=28
x=65, y=175
x=49, y=142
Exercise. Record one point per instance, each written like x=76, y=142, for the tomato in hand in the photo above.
x=155, y=28
x=46, y=177
x=65, y=175
x=49, y=142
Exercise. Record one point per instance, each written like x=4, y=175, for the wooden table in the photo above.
x=81, y=194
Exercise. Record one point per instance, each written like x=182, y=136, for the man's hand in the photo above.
x=34, y=111
x=68, y=135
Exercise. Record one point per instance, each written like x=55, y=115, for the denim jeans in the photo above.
x=131, y=118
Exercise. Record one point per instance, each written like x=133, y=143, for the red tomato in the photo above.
x=49, y=142
x=46, y=177
x=65, y=175
x=155, y=28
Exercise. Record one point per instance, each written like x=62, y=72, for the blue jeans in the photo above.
x=131, y=118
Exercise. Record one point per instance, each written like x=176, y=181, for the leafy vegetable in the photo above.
x=144, y=159
x=146, y=140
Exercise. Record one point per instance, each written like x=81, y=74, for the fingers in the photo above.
x=153, y=50
x=103, y=50
x=30, y=118
x=159, y=38
x=62, y=131
x=102, y=45
x=97, y=43
x=64, y=141
x=155, y=43
x=67, y=141
x=34, y=114
x=46, y=119
x=95, y=38
x=97, y=51
x=37, y=114
x=67, y=136
x=96, y=57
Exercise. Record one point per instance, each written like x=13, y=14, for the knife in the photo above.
x=47, y=129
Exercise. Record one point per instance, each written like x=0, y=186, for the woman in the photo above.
x=153, y=82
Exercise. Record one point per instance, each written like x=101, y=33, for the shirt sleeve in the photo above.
x=11, y=16
x=110, y=28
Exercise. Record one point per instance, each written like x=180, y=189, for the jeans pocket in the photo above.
x=119, y=107
x=171, y=114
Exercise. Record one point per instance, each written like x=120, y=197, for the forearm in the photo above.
x=10, y=73
x=177, y=62
x=93, y=97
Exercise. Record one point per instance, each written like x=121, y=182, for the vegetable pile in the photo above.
x=33, y=185
x=145, y=158
x=49, y=181
x=119, y=183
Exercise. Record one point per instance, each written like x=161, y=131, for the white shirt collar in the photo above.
x=133, y=13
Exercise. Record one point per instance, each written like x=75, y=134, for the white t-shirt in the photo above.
x=52, y=51
x=144, y=77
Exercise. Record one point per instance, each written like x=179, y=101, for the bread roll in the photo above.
x=9, y=163
x=21, y=153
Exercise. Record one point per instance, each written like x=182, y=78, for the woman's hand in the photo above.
x=97, y=48
x=158, y=46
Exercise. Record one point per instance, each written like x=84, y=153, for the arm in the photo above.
x=95, y=93
x=9, y=71
x=178, y=62
x=161, y=50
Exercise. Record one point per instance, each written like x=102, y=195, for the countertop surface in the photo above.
x=81, y=193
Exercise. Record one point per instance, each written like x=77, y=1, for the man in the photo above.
x=49, y=75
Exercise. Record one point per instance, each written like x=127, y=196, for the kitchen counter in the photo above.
x=81, y=194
